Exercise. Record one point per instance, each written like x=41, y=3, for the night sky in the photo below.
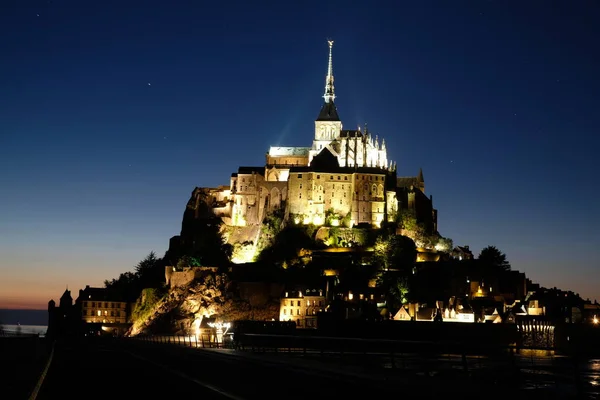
x=111, y=112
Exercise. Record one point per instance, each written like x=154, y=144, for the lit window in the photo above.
x=99, y=313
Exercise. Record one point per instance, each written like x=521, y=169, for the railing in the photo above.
x=194, y=341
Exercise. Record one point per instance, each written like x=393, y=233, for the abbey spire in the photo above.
x=329, y=95
x=329, y=111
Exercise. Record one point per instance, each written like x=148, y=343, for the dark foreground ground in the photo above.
x=22, y=359
x=131, y=369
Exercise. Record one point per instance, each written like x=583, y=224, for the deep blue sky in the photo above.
x=497, y=101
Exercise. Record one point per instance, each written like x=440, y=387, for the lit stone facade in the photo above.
x=97, y=307
x=344, y=172
x=302, y=307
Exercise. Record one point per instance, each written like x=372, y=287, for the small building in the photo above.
x=97, y=307
x=302, y=306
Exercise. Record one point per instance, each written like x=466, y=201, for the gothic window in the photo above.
x=300, y=196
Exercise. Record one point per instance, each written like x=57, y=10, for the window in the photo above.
x=99, y=313
x=345, y=178
x=331, y=177
x=299, y=304
x=285, y=311
x=298, y=312
x=299, y=176
x=300, y=186
x=332, y=194
x=319, y=198
x=112, y=313
x=338, y=177
x=300, y=196
x=318, y=176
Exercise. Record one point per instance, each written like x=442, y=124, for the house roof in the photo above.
x=288, y=151
x=407, y=181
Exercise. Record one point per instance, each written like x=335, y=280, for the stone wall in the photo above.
x=176, y=278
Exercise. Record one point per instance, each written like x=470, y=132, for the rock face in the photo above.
x=210, y=295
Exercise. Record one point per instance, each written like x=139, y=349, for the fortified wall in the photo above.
x=176, y=278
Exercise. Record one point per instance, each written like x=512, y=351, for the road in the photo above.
x=130, y=369
x=106, y=370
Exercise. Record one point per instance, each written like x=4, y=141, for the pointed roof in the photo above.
x=329, y=94
x=420, y=177
x=328, y=113
x=325, y=160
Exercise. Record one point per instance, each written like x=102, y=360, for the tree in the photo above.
x=444, y=245
x=148, y=273
x=395, y=288
x=493, y=259
x=394, y=251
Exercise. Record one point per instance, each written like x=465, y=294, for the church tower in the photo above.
x=327, y=124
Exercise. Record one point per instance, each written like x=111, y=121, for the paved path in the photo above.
x=131, y=369
x=103, y=370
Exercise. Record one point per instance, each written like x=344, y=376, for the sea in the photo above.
x=26, y=322
x=13, y=330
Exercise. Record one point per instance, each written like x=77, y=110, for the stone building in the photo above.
x=302, y=307
x=346, y=174
x=97, y=307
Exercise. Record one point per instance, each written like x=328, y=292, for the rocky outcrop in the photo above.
x=210, y=295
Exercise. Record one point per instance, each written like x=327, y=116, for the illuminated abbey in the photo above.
x=344, y=176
